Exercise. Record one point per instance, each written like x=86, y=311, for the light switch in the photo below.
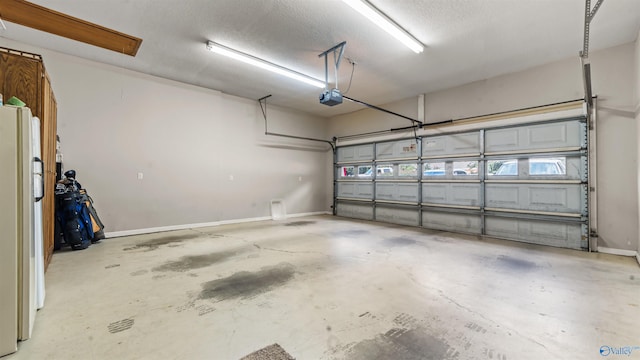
x=230, y=177
x=140, y=176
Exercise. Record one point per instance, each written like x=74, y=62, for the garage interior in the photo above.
x=473, y=199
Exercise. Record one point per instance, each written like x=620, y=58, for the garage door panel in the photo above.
x=407, y=192
x=468, y=223
x=355, y=190
x=464, y=194
x=523, y=182
x=401, y=216
x=434, y=193
x=355, y=153
x=456, y=144
x=404, y=192
x=358, y=211
x=467, y=194
x=560, y=198
x=401, y=149
x=536, y=231
x=549, y=197
x=535, y=137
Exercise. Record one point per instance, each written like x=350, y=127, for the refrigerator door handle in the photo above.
x=37, y=159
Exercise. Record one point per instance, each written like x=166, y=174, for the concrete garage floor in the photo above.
x=324, y=287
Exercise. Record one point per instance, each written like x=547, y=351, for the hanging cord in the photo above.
x=263, y=106
x=335, y=67
x=353, y=68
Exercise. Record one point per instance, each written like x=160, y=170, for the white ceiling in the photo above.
x=466, y=41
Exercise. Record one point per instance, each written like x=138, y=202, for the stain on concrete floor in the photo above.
x=246, y=284
x=191, y=262
x=399, y=241
x=349, y=233
x=139, y=272
x=402, y=344
x=300, y=223
x=407, y=339
x=515, y=263
x=154, y=244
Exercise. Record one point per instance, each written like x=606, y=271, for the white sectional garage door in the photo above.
x=527, y=182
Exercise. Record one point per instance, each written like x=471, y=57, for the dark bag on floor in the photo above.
x=74, y=218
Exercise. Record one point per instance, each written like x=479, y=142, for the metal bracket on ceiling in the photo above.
x=264, y=109
x=337, y=51
x=589, y=14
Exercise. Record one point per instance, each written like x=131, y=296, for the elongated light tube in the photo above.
x=263, y=64
x=386, y=24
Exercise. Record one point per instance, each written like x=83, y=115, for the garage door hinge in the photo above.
x=593, y=233
x=592, y=188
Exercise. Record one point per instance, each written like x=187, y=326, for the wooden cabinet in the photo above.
x=23, y=75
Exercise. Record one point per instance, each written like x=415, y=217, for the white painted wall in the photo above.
x=636, y=62
x=617, y=148
x=188, y=142
x=551, y=83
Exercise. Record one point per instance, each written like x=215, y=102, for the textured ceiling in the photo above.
x=466, y=41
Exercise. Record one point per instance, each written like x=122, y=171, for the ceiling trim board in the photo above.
x=41, y=18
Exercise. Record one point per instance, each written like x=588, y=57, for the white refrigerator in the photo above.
x=21, y=253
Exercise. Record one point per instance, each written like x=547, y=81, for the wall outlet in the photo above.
x=230, y=177
x=140, y=176
x=299, y=178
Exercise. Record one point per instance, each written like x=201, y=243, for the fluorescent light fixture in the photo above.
x=263, y=64
x=380, y=19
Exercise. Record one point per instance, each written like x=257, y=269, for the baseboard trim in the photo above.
x=115, y=234
x=621, y=252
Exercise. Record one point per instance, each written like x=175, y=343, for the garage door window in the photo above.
x=462, y=168
x=348, y=171
x=365, y=171
x=434, y=169
x=384, y=170
x=547, y=166
x=408, y=170
x=502, y=167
